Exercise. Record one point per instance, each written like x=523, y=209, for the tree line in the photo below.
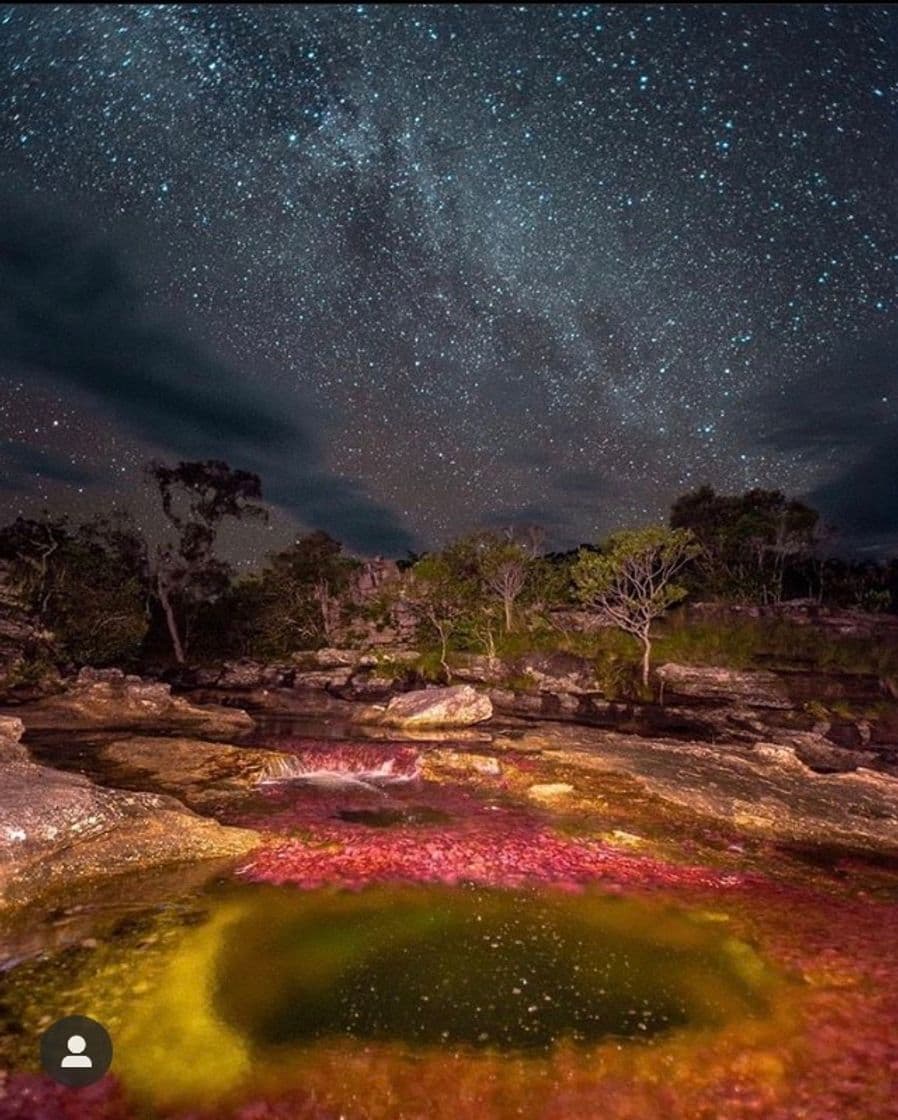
x=110, y=597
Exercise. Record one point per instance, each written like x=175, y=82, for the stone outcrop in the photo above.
x=561, y=673
x=455, y=706
x=763, y=789
x=108, y=698
x=59, y=827
x=746, y=688
x=199, y=773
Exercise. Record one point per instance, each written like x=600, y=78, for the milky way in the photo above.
x=551, y=263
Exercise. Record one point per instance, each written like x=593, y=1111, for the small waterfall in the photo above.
x=295, y=768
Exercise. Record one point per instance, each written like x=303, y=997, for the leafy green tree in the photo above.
x=630, y=582
x=505, y=563
x=305, y=587
x=196, y=498
x=550, y=586
x=99, y=607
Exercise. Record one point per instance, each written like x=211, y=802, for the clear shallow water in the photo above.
x=257, y=986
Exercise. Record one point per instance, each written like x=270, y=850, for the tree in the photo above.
x=748, y=542
x=630, y=582
x=196, y=499
x=307, y=583
x=86, y=584
x=100, y=603
x=28, y=547
x=443, y=597
x=505, y=564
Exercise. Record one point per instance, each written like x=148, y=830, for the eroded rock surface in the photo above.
x=199, y=773
x=59, y=827
x=749, y=688
x=764, y=789
x=109, y=699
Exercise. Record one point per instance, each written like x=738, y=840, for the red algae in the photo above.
x=499, y=855
x=488, y=840
x=827, y=1051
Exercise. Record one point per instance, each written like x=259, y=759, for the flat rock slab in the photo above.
x=754, y=688
x=58, y=827
x=195, y=770
x=456, y=706
x=764, y=789
x=126, y=703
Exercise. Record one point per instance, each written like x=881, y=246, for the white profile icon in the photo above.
x=76, y=1058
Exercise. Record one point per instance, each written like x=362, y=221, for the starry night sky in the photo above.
x=429, y=267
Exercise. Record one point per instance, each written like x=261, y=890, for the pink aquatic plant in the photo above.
x=481, y=836
x=500, y=853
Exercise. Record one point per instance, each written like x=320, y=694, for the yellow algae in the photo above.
x=372, y=1000
x=175, y=1029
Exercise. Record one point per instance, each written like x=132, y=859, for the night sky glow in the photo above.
x=428, y=267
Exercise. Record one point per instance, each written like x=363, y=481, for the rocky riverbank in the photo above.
x=58, y=827
x=149, y=775
x=835, y=721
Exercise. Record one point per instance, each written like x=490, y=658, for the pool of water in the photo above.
x=444, y=948
x=247, y=987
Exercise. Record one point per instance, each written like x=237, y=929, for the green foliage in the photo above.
x=630, y=582
x=631, y=579
x=747, y=541
x=443, y=592
x=771, y=643
x=294, y=603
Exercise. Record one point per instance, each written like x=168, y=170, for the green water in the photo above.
x=248, y=979
x=479, y=968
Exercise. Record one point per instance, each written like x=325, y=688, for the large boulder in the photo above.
x=456, y=706
x=744, y=688
x=59, y=827
x=107, y=698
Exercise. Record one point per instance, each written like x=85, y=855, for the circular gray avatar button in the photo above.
x=76, y=1051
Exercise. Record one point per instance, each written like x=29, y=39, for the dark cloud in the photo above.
x=844, y=418
x=70, y=312
x=22, y=465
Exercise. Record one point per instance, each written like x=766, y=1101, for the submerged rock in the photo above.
x=108, y=698
x=436, y=763
x=57, y=827
x=549, y=791
x=456, y=706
